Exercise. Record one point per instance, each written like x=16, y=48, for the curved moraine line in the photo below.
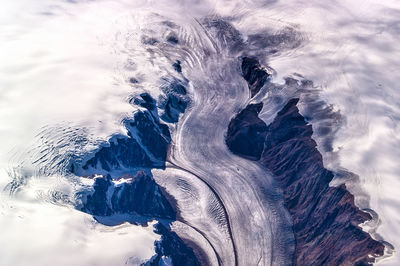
x=260, y=227
x=194, y=200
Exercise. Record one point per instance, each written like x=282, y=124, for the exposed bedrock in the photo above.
x=325, y=219
x=174, y=101
x=145, y=146
x=172, y=250
x=139, y=194
x=246, y=133
x=147, y=139
x=138, y=198
x=254, y=74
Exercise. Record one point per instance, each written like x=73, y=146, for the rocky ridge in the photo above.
x=325, y=219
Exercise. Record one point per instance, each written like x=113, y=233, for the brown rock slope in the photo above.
x=325, y=219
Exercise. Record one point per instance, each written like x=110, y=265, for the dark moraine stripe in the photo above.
x=325, y=219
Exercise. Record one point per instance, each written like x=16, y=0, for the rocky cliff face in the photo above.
x=325, y=219
x=138, y=198
x=246, y=133
x=174, y=101
x=147, y=139
x=144, y=147
x=173, y=249
x=254, y=74
x=139, y=194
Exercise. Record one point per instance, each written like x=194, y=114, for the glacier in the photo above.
x=199, y=132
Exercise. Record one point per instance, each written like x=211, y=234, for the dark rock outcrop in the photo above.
x=138, y=199
x=172, y=39
x=171, y=246
x=146, y=101
x=325, y=219
x=246, y=133
x=147, y=142
x=174, y=102
x=97, y=203
x=254, y=74
x=139, y=195
x=145, y=146
x=133, y=80
x=122, y=152
x=174, y=106
x=177, y=66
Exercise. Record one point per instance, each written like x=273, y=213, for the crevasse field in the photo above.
x=65, y=70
